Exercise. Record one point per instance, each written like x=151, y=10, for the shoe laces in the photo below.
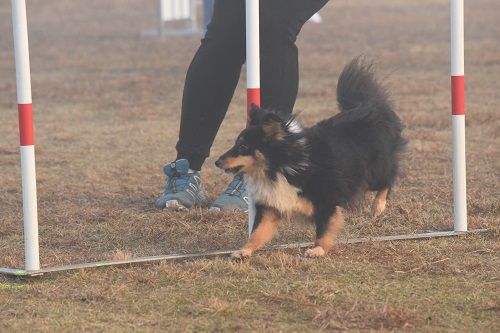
x=178, y=183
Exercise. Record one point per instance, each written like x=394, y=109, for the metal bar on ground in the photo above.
x=458, y=115
x=211, y=254
x=253, y=75
x=26, y=134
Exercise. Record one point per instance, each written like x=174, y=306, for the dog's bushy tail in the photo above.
x=358, y=86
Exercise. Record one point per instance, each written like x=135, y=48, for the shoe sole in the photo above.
x=218, y=209
x=175, y=205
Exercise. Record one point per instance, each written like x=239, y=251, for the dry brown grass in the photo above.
x=106, y=115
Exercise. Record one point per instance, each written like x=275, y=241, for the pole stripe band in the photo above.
x=457, y=95
x=26, y=134
x=253, y=97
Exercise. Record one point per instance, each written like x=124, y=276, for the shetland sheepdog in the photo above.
x=319, y=171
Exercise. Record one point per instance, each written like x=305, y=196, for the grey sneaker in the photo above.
x=235, y=197
x=182, y=188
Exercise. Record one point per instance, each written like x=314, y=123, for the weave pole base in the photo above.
x=221, y=253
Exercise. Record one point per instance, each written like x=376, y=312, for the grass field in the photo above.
x=106, y=103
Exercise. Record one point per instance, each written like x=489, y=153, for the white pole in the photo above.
x=27, y=149
x=458, y=115
x=253, y=73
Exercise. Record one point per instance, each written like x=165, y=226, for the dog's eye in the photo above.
x=242, y=149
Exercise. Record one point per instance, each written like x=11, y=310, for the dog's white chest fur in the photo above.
x=279, y=194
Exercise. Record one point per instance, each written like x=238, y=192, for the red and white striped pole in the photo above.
x=458, y=115
x=27, y=149
x=253, y=73
x=253, y=52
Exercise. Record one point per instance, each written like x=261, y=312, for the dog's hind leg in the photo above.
x=380, y=201
x=326, y=233
x=266, y=225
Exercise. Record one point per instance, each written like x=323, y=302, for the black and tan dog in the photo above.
x=318, y=171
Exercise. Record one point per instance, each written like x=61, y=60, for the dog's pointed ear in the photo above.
x=255, y=115
x=272, y=125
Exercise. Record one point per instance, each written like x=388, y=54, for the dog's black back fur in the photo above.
x=358, y=149
x=364, y=140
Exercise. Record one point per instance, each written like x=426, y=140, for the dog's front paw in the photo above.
x=378, y=208
x=315, y=252
x=242, y=254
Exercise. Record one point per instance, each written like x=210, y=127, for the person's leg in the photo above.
x=281, y=22
x=209, y=87
x=211, y=80
x=215, y=69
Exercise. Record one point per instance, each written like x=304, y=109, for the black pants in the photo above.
x=215, y=69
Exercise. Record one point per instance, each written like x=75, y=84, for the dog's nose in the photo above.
x=218, y=163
